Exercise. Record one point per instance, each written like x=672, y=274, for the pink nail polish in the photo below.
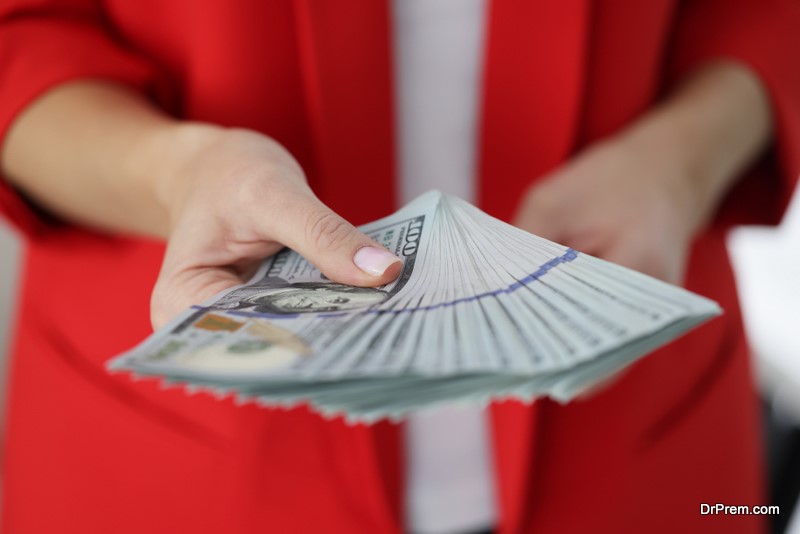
x=373, y=260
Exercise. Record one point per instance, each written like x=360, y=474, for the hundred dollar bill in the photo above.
x=276, y=324
x=480, y=310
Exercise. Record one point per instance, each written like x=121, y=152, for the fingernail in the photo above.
x=373, y=260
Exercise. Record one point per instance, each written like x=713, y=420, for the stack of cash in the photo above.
x=481, y=310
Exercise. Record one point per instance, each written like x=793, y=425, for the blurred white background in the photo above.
x=767, y=264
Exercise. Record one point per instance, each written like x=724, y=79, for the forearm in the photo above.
x=92, y=153
x=715, y=124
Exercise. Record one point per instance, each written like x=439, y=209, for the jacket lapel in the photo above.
x=532, y=95
x=346, y=67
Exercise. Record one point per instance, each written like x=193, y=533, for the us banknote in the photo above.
x=481, y=310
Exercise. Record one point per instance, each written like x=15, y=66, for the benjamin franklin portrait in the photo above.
x=303, y=297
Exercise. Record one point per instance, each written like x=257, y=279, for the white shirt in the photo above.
x=438, y=48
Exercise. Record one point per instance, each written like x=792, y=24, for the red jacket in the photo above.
x=88, y=452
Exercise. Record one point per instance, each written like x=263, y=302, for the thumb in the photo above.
x=335, y=246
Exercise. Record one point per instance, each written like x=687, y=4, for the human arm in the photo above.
x=100, y=154
x=639, y=197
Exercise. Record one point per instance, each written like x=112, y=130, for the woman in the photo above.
x=629, y=130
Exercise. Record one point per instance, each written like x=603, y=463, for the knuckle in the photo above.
x=326, y=230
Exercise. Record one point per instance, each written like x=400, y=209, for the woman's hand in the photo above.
x=639, y=198
x=223, y=198
x=620, y=202
x=235, y=197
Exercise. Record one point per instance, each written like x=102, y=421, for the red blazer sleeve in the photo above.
x=44, y=43
x=765, y=36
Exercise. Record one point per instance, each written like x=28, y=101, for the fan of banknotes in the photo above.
x=481, y=310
